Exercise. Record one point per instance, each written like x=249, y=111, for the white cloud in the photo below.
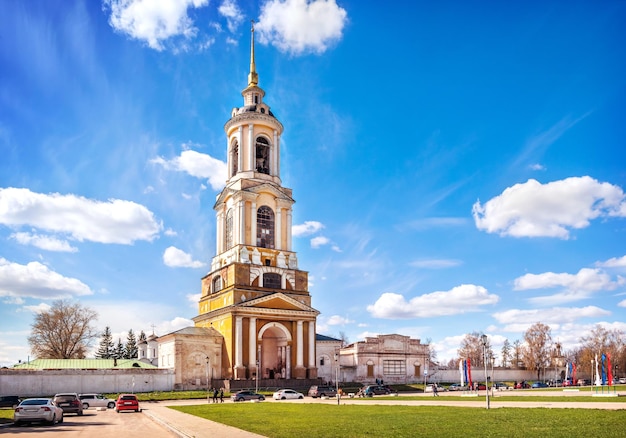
x=232, y=13
x=37, y=281
x=153, y=21
x=440, y=303
x=197, y=165
x=576, y=286
x=301, y=26
x=307, y=228
x=114, y=221
x=518, y=320
x=533, y=209
x=615, y=262
x=338, y=320
x=48, y=243
x=436, y=263
x=318, y=241
x=39, y=308
x=176, y=258
x=537, y=166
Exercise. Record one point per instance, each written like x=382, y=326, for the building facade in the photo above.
x=255, y=296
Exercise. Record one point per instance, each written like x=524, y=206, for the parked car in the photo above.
x=480, y=386
x=96, y=401
x=69, y=402
x=37, y=410
x=522, y=385
x=9, y=401
x=127, y=402
x=457, y=387
x=287, y=394
x=371, y=390
x=622, y=380
x=246, y=395
x=322, y=391
x=430, y=388
x=539, y=385
x=583, y=382
x=501, y=386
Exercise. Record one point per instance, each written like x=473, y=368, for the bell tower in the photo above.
x=255, y=295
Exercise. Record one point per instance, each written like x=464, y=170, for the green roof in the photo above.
x=82, y=364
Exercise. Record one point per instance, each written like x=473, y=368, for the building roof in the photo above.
x=319, y=337
x=195, y=331
x=82, y=364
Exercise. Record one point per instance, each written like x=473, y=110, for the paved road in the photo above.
x=101, y=424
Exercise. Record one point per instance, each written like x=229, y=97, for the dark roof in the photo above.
x=319, y=337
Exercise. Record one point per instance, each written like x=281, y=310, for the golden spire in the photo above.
x=253, y=77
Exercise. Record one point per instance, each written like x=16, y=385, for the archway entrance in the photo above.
x=275, y=342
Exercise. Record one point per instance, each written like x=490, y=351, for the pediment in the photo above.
x=249, y=186
x=278, y=301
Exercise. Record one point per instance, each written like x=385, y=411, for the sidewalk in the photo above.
x=189, y=426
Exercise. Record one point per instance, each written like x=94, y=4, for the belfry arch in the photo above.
x=274, y=343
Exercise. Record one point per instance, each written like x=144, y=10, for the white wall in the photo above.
x=31, y=383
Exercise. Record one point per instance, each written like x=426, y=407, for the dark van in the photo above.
x=9, y=401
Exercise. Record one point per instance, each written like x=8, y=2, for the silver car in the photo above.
x=38, y=410
x=96, y=401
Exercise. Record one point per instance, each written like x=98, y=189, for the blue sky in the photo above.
x=457, y=167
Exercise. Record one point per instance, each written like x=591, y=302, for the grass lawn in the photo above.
x=278, y=420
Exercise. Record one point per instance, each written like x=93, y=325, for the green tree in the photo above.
x=105, y=350
x=130, y=350
x=65, y=331
x=119, y=351
x=506, y=353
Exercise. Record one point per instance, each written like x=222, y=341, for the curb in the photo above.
x=176, y=431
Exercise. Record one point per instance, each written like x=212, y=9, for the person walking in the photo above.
x=215, y=395
x=221, y=395
x=435, y=390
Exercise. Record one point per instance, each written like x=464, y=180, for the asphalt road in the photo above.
x=94, y=423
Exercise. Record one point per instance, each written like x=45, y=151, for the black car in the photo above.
x=247, y=395
x=69, y=402
x=9, y=401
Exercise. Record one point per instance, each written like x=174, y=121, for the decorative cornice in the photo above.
x=254, y=116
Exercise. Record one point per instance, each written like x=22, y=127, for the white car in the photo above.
x=37, y=409
x=287, y=394
x=96, y=401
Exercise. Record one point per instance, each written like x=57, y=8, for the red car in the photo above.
x=522, y=385
x=127, y=402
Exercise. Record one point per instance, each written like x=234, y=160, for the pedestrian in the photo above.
x=221, y=395
x=435, y=393
x=215, y=395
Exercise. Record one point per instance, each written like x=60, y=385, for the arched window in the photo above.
x=265, y=227
x=271, y=280
x=217, y=284
x=228, y=232
x=234, y=158
x=262, y=155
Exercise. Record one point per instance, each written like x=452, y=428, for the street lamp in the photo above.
x=485, y=342
x=337, y=377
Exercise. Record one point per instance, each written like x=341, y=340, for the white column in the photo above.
x=288, y=361
x=242, y=222
x=278, y=244
x=299, y=349
x=251, y=151
x=241, y=148
x=289, y=230
x=283, y=282
x=252, y=344
x=311, y=344
x=219, y=242
x=238, y=342
x=253, y=223
x=275, y=154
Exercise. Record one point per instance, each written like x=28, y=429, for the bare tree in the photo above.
x=536, y=352
x=601, y=340
x=472, y=349
x=517, y=353
x=344, y=339
x=65, y=331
